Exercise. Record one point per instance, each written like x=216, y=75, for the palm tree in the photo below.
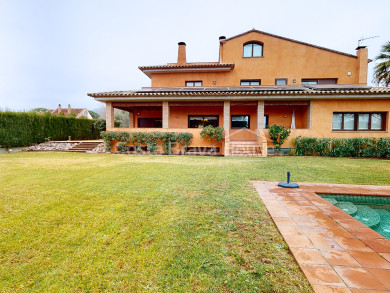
x=382, y=69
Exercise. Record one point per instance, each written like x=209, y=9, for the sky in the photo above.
x=55, y=52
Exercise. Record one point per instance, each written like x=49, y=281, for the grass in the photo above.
x=85, y=222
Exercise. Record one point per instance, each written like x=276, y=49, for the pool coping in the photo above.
x=336, y=252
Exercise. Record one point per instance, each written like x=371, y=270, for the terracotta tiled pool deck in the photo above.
x=336, y=252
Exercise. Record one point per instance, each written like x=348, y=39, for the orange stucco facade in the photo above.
x=322, y=113
x=319, y=83
x=282, y=59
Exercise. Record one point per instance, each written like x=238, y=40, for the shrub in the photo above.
x=138, y=139
x=278, y=135
x=111, y=136
x=342, y=147
x=305, y=146
x=383, y=148
x=100, y=125
x=323, y=147
x=151, y=139
x=184, y=139
x=213, y=134
x=166, y=140
x=310, y=146
x=122, y=146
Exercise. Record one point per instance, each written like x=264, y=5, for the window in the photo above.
x=253, y=50
x=250, y=82
x=319, y=81
x=266, y=121
x=281, y=81
x=309, y=81
x=85, y=114
x=202, y=121
x=149, y=123
x=240, y=121
x=194, y=83
x=359, y=121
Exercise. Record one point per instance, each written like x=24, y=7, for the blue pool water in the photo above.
x=372, y=211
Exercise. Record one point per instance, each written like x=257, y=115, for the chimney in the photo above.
x=59, y=108
x=221, y=42
x=362, y=54
x=69, y=109
x=181, y=56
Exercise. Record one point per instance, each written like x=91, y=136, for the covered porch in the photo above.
x=244, y=122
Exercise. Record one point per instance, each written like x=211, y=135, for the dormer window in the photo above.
x=253, y=50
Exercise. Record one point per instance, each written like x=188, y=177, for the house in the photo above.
x=260, y=79
x=69, y=111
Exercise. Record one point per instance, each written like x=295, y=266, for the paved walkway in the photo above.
x=336, y=252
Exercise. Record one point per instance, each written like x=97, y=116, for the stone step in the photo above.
x=243, y=142
x=77, y=151
x=248, y=148
x=245, y=155
x=367, y=215
x=89, y=143
x=347, y=207
x=245, y=148
x=254, y=147
x=84, y=147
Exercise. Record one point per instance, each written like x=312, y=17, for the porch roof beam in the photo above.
x=241, y=98
x=196, y=104
x=135, y=104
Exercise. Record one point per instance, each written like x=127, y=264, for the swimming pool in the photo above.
x=372, y=211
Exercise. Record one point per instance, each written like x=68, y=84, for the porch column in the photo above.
x=260, y=115
x=309, y=115
x=165, y=115
x=109, y=115
x=261, y=138
x=226, y=126
x=226, y=115
x=131, y=120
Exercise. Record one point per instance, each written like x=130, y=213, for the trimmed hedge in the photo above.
x=342, y=147
x=23, y=129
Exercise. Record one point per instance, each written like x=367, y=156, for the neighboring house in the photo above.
x=260, y=79
x=78, y=113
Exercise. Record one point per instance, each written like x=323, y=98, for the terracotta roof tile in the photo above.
x=188, y=65
x=65, y=111
x=250, y=91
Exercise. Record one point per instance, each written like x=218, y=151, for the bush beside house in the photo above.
x=212, y=134
x=342, y=147
x=149, y=139
x=278, y=135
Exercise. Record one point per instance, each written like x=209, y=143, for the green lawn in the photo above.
x=85, y=222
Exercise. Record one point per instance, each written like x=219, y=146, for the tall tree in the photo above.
x=122, y=117
x=94, y=114
x=39, y=110
x=382, y=69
